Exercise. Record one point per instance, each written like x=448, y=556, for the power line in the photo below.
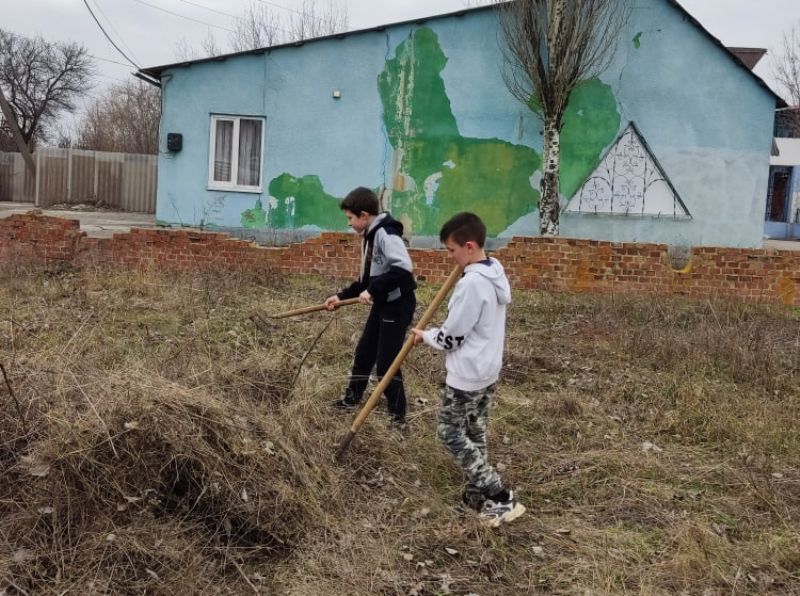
x=182, y=16
x=227, y=14
x=110, y=24
x=91, y=12
x=109, y=60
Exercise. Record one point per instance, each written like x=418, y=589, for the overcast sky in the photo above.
x=149, y=35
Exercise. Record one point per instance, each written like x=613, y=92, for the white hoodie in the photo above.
x=475, y=329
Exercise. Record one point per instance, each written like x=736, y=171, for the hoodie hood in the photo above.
x=492, y=270
x=386, y=221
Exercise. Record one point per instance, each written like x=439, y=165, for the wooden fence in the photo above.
x=123, y=181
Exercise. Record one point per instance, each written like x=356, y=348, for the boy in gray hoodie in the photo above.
x=472, y=337
x=385, y=281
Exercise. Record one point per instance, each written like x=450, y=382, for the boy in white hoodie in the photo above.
x=472, y=337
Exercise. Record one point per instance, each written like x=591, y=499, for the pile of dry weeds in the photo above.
x=142, y=449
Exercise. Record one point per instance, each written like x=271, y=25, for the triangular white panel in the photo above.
x=628, y=181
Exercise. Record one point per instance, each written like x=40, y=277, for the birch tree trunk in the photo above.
x=549, y=207
x=551, y=46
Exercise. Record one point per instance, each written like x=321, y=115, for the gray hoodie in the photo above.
x=386, y=269
x=474, y=331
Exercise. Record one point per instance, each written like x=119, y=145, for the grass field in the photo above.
x=158, y=440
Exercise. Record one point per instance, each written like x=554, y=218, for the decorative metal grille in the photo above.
x=628, y=181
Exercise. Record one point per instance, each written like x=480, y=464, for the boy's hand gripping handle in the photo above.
x=308, y=309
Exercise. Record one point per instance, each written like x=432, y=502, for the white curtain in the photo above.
x=223, y=150
x=249, y=152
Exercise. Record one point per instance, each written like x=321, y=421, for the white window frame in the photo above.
x=232, y=185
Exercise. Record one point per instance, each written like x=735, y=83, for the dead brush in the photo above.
x=153, y=463
x=174, y=447
x=745, y=341
x=259, y=379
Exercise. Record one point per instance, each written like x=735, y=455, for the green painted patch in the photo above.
x=256, y=217
x=296, y=202
x=591, y=123
x=637, y=40
x=439, y=172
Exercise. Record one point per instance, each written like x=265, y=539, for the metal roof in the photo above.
x=750, y=56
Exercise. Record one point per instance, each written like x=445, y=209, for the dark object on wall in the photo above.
x=174, y=141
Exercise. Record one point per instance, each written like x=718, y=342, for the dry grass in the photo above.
x=166, y=444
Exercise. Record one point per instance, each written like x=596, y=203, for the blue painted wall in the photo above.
x=705, y=119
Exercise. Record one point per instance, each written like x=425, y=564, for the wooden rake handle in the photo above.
x=308, y=309
x=398, y=361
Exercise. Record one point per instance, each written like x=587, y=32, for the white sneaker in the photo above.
x=495, y=513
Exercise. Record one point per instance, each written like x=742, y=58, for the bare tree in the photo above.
x=124, y=118
x=258, y=27
x=550, y=47
x=210, y=45
x=42, y=80
x=183, y=50
x=312, y=21
x=786, y=70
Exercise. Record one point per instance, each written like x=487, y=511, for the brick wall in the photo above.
x=553, y=264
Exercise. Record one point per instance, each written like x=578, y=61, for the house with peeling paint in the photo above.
x=670, y=144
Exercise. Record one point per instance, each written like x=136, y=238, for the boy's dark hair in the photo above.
x=361, y=200
x=462, y=228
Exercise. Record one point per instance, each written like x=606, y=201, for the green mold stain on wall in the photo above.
x=591, y=123
x=437, y=172
x=637, y=40
x=294, y=203
x=256, y=217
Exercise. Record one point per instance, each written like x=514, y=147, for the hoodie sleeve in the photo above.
x=464, y=311
x=399, y=264
x=352, y=291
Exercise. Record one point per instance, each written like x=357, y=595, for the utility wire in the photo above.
x=107, y=36
x=227, y=14
x=182, y=16
x=109, y=60
x=110, y=24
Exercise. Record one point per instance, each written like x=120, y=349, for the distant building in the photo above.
x=783, y=196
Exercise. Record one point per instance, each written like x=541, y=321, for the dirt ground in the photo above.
x=96, y=223
x=159, y=434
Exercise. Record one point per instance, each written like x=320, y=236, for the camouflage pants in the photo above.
x=462, y=429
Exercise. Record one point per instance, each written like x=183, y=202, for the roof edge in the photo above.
x=779, y=101
x=155, y=71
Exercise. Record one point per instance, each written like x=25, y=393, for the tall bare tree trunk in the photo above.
x=551, y=46
x=549, y=207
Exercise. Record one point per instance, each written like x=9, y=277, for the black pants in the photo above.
x=381, y=340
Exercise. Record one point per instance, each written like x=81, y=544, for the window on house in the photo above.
x=235, y=153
